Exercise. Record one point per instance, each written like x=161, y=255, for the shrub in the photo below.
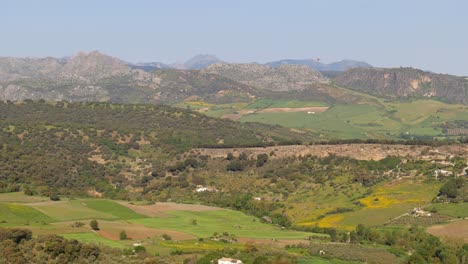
x=123, y=235
x=94, y=224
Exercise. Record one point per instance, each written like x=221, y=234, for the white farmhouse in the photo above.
x=229, y=261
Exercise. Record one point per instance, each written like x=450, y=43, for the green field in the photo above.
x=384, y=202
x=17, y=214
x=265, y=103
x=72, y=210
x=220, y=221
x=113, y=208
x=349, y=121
x=450, y=209
x=48, y=217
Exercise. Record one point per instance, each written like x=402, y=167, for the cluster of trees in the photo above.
x=414, y=245
x=454, y=190
x=19, y=246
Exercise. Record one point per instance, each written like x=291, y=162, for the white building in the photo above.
x=440, y=172
x=229, y=261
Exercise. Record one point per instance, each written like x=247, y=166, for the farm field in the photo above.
x=456, y=229
x=378, y=120
x=385, y=202
x=220, y=221
x=178, y=221
x=451, y=209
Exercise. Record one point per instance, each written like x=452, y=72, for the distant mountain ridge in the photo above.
x=95, y=76
x=98, y=77
x=339, y=66
x=284, y=78
x=203, y=61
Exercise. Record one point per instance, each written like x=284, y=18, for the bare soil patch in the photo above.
x=456, y=229
x=314, y=109
x=160, y=209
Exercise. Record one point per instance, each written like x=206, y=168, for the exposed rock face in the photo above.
x=405, y=82
x=97, y=77
x=283, y=78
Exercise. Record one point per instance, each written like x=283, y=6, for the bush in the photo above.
x=54, y=197
x=235, y=165
x=261, y=159
x=77, y=224
x=166, y=237
x=123, y=235
x=94, y=224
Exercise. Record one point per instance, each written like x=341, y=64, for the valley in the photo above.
x=268, y=164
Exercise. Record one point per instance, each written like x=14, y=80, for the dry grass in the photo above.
x=160, y=209
x=455, y=229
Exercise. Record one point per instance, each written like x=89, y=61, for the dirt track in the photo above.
x=357, y=151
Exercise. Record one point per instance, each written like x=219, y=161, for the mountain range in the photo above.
x=205, y=60
x=95, y=76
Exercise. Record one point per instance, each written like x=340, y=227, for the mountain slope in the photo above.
x=201, y=61
x=76, y=145
x=283, y=78
x=405, y=83
x=98, y=77
x=316, y=65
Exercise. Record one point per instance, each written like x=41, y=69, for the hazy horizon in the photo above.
x=422, y=34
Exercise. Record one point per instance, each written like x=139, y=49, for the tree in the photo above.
x=235, y=165
x=94, y=224
x=230, y=156
x=261, y=159
x=353, y=237
x=450, y=189
x=243, y=156
x=123, y=235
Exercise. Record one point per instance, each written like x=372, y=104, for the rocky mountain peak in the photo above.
x=201, y=61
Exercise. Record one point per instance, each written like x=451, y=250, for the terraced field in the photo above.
x=146, y=224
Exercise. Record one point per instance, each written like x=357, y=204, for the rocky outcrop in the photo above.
x=283, y=78
x=405, y=83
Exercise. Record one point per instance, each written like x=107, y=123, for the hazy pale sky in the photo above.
x=427, y=34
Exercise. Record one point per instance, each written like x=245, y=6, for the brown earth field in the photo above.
x=356, y=151
x=456, y=229
x=159, y=209
x=111, y=230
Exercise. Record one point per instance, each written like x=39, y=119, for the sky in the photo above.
x=426, y=34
